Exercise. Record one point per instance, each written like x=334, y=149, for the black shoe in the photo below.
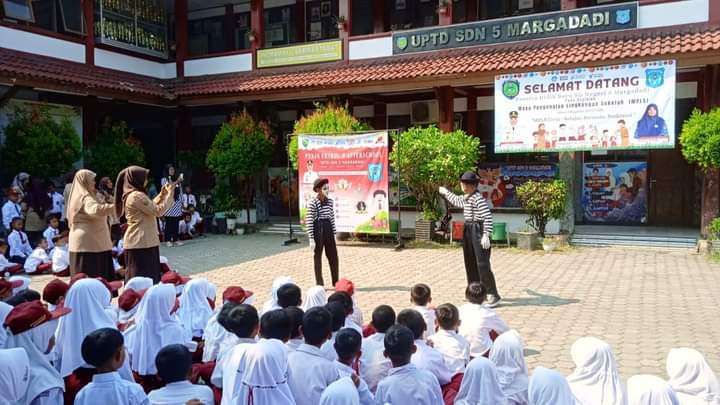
x=493, y=301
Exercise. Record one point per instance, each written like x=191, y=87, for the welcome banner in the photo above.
x=629, y=106
x=356, y=167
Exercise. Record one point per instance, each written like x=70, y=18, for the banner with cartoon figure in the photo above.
x=499, y=182
x=356, y=167
x=629, y=106
x=615, y=192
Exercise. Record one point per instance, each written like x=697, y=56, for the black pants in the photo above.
x=477, y=259
x=171, y=229
x=325, y=239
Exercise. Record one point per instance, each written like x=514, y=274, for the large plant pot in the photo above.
x=714, y=246
x=528, y=240
x=549, y=244
x=231, y=224
x=424, y=229
x=219, y=223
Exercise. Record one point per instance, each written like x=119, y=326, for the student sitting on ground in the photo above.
x=185, y=228
x=19, y=243
x=405, y=383
x=174, y=365
x=5, y=264
x=508, y=357
x=52, y=230
x=6, y=288
x=54, y=293
x=338, y=316
x=60, y=258
x=196, y=221
x=425, y=357
x=374, y=366
x=346, y=300
x=215, y=334
x=296, y=337
x=348, y=287
x=480, y=384
x=104, y=349
x=38, y=262
x=421, y=297
x=477, y=322
x=348, y=344
x=289, y=295
x=453, y=347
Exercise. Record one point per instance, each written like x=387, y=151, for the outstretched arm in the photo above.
x=454, y=199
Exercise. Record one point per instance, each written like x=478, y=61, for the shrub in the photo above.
x=700, y=139
x=543, y=200
x=114, y=149
x=713, y=229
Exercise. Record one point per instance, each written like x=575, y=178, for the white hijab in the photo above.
x=548, y=387
x=195, y=309
x=315, y=298
x=43, y=376
x=692, y=378
x=154, y=329
x=138, y=284
x=480, y=384
x=262, y=375
x=4, y=311
x=595, y=380
x=341, y=392
x=14, y=375
x=277, y=283
x=650, y=390
x=24, y=286
x=88, y=298
x=507, y=355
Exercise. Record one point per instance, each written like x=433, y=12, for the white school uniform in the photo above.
x=649, y=390
x=341, y=392
x=596, y=379
x=272, y=304
x=374, y=366
x=226, y=367
x=60, y=259
x=428, y=315
x=548, y=387
x=692, y=378
x=185, y=228
x=181, y=392
x=409, y=385
x=293, y=344
x=4, y=311
x=480, y=384
x=10, y=210
x=357, y=315
x=429, y=359
x=58, y=204
x=350, y=323
x=14, y=374
x=19, y=244
x=112, y=390
x=309, y=373
x=315, y=297
x=454, y=349
x=366, y=397
x=25, y=280
x=195, y=310
x=328, y=348
x=5, y=263
x=189, y=199
x=195, y=219
x=477, y=322
x=262, y=376
x=507, y=355
x=48, y=235
x=39, y=256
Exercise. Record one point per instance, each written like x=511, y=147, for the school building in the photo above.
x=175, y=70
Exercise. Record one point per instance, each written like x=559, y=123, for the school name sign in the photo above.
x=547, y=25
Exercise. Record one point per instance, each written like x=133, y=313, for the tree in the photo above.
x=427, y=158
x=543, y=200
x=328, y=119
x=241, y=148
x=114, y=149
x=38, y=144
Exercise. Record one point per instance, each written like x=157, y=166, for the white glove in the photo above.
x=312, y=244
x=443, y=191
x=485, y=242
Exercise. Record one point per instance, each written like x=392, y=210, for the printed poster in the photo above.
x=629, y=106
x=615, y=192
x=499, y=182
x=357, y=169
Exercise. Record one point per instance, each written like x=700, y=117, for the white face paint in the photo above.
x=325, y=189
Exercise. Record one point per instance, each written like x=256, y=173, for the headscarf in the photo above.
x=263, y=375
x=651, y=126
x=595, y=380
x=18, y=183
x=315, y=298
x=650, y=390
x=195, y=310
x=22, y=287
x=14, y=375
x=37, y=197
x=43, y=376
x=692, y=378
x=130, y=179
x=507, y=355
x=83, y=182
x=138, y=284
x=154, y=329
x=88, y=298
x=341, y=392
x=4, y=311
x=480, y=384
x=548, y=387
x=277, y=283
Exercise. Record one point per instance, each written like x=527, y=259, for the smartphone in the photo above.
x=181, y=178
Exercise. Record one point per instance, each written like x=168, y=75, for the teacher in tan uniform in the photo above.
x=141, y=240
x=89, y=244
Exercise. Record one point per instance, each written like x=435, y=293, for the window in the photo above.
x=280, y=26
x=18, y=9
x=219, y=29
x=52, y=15
x=206, y=36
x=362, y=17
x=489, y=9
x=407, y=14
x=321, y=20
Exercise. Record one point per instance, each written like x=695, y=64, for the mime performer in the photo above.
x=476, y=234
x=320, y=225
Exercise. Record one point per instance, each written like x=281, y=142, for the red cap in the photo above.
x=345, y=285
x=113, y=286
x=129, y=299
x=9, y=285
x=31, y=314
x=174, y=278
x=77, y=277
x=236, y=294
x=54, y=290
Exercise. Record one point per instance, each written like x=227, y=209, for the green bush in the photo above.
x=700, y=139
x=713, y=229
x=114, y=149
x=328, y=119
x=427, y=158
x=543, y=200
x=38, y=144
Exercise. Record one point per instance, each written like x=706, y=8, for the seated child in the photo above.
x=406, y=384
x=5, y=264
x=188, y=198
x=425, y=357
x=420, y=295
x=185, y=228
x=174, y=278
x=174, y=366
x=241, y=320
x=52, y=230
x=54, y=293
x=346, y=301
x=214, y=334
x=348, y=345
x=128, y=303
x=338, y=315
x=104, y=349
x=60, y=256
x=19, y=244
x=196, y=221
x=477, y=321
x=347, y=286
x=38, y=262
x=289, y=295
x=374, y=365
x=14, y=372
x=6, y=288
x=296, y=337
x=454, y=348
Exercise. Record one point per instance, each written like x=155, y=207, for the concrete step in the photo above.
x=613, y=240
x=635, y=237
x=281, y=229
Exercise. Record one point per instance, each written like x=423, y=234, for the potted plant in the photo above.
x=426, y=159
x=543, y=201
x=713, y=232
x=231, y=220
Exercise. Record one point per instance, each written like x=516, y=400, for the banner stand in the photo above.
x=291, y=239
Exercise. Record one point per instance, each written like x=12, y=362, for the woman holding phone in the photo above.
x=141, y=241
x=174, y=213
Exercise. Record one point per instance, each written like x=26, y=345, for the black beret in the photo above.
x=470, y=177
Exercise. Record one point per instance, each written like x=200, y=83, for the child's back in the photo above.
x=476, y=324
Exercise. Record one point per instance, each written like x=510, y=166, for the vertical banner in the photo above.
x=357, y=169
x=615, y=192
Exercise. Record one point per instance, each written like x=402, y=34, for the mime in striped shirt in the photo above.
x=320, y=225
x=476, y=234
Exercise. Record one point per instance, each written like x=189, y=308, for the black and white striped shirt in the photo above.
x=319, y=210
x=474, y=207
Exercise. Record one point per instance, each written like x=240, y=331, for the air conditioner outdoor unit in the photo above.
x=424, y=112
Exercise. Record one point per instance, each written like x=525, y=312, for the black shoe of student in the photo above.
x=493, y=301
